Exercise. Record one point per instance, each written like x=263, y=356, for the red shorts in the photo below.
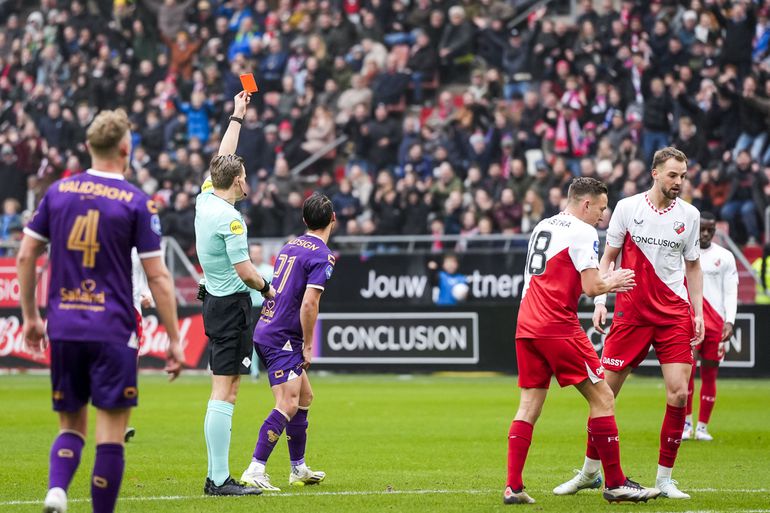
x=627, y=345
x=572, y=360
x=709, y=349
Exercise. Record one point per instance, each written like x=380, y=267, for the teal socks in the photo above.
x=217, y=427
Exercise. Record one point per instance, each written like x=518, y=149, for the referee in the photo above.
x=224, y=255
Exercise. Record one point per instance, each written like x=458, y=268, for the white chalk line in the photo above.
x=382, y=492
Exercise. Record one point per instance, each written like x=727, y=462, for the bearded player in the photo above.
x=720, y=302
x=655, y=234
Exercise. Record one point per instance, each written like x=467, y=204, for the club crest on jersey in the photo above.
x=718, y=262
x=679, y=227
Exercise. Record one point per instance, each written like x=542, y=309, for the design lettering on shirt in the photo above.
x=303, y=244
x=96, y=189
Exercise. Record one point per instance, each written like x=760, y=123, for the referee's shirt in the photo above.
x=220, y=240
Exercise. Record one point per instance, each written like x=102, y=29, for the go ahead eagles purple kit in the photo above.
x=303, y=262
x=91, y=221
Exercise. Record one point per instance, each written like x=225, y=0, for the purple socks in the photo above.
x=108, y=473
x=296, y=436
x=269, y=434
x=64, y=459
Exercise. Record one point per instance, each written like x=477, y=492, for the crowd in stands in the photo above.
x=457, y=119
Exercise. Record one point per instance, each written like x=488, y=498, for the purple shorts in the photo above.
x=104, y=372
x=281, y=365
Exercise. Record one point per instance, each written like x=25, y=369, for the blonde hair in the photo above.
x=106, y=131
x=224, y=170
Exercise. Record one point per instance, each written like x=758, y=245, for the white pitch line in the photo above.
x=269, y=494
x=393, y=492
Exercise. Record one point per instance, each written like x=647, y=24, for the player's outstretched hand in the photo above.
x=700, y=331
x=241, y=101
x=600, y=318
x=34, y=336
x=307, y=355
x=174, y=360
x=270, y=294
x=620, y=280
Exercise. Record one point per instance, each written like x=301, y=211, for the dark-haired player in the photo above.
x=91, y=221
x=720, y=303
x=562, y=263
x=284, y=342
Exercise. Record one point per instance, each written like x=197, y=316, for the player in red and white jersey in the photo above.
x=562, y=262
x=141, y=298
x=720, y=303
x=656, y=235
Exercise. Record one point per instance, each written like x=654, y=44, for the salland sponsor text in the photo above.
x=425, y=338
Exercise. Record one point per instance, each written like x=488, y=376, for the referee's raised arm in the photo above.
x=230, y=139
x=223, y=250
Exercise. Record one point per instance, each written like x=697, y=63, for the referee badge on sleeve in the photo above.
x=236, y=227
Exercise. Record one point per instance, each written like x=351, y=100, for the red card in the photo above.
x=248, y=83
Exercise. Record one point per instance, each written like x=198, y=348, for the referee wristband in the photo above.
x=266, y=288
x=236, y=119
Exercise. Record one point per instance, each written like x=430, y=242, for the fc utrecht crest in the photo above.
x=679, y=227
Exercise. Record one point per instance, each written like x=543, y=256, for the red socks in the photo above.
x=590, y=449
x=671, y=434
x=519, y=438
x=603, y=437
x=708, y=392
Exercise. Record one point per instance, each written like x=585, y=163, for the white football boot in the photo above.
x=55, y=501
x=302, y=475
x=581, y=481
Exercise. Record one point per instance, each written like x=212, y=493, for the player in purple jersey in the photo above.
x=91, y=222
x=283, y=339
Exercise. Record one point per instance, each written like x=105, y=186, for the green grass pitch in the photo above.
x=395, y=444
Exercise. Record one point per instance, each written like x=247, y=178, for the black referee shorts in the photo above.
x=227, y=323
